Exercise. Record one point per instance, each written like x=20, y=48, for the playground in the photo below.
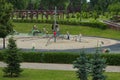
x=43, y=43
x=42, y=40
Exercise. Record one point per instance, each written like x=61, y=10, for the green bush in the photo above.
x=78, y=15
x=60, y=57
x=73, y=16
x=31, y=56
x=1, y=55
x=67, y=16
x=67, y=22
x=112, y=59
x=48, y=57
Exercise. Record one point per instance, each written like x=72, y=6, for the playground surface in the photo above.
x=43, y=43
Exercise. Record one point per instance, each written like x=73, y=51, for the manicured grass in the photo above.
x=73, y=29
x=35, y=74
x=29, y=74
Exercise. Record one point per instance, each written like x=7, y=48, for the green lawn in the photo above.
x=34, y=74
x=87, y=31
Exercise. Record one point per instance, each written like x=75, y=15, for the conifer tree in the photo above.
x=82, y=65
x=6, y=25
x=12, y=59
x=98, y=66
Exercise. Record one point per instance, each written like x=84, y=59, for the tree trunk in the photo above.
x=3, y=43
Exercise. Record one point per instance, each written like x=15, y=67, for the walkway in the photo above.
x=58, y=66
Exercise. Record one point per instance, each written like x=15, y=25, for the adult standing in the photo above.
x=54, y=36
x=68, y=35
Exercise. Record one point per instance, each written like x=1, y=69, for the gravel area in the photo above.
x=47, y=44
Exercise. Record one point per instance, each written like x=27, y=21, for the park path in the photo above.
x=58, y=66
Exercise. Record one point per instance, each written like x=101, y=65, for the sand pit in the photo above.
x=27, y=42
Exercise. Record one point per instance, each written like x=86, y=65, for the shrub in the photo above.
x=12, y=59
x=31, y=56
x=67, y=16
x=81, y=64
x=78, y=15
x=67, y=22
x=73, y=16
x=112, y=59
x=62, y=57
x=59, y=57
x=1, y=55
x=98, y=65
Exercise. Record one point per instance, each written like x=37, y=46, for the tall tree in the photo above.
x=82, y=65
x=12, y=58
x=98, y=66
x=101, y=5
x=84, y=5
x=33, y=4
x=50, y=4
x=19, y=4
x=75, y=5
x=115, y=7
x=5, y=23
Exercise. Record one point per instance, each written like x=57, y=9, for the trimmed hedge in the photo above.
x=67, y=22
x=1, y=55
x=58, y=57
x=112, y=59
x=48, y=57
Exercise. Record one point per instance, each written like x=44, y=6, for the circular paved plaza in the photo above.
x=61, y=44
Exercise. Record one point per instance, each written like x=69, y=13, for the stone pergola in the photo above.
x=36, y=14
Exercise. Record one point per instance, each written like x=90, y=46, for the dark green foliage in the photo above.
x=19, y=4
x=112, y=59
x=48, y=57
x=73, y=16
x=114, y=7
x=98, y=66
x=82, y=65
x=12, y=59
x=1, y=55
x=50, y=4
x=5, y=23
x=63, y=57
x=31, y=56
x=60, y=57
x=33, y=4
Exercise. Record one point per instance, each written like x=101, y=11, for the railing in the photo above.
x=112, y=25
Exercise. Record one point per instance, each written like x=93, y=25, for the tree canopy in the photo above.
x=5, y=23
x=115, y=7
x=70, y=5
x=19, y=4
x=50, y=4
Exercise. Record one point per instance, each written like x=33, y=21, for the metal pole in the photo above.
x=55, y=12
x=55, y=23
